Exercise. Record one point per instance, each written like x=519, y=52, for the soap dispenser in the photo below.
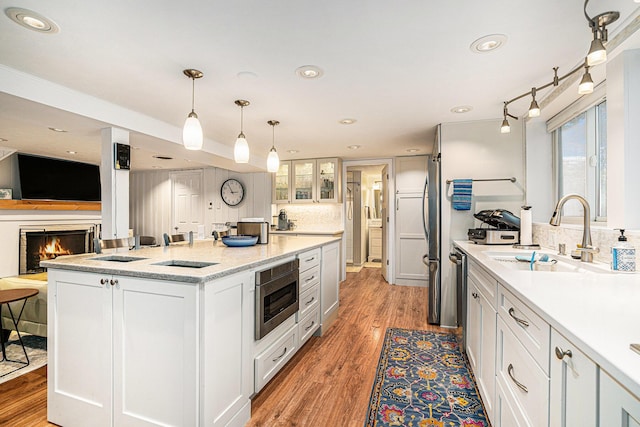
x=623, y=254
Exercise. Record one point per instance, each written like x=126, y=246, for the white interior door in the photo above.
x=384, y=214
x=187, y=208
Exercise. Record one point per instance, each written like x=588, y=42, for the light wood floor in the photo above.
x=327, y=383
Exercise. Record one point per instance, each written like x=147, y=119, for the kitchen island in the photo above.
x=165, y=336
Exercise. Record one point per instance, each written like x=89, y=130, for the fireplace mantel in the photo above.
x=49, y=205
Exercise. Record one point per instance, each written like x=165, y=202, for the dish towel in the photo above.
x=462, y=194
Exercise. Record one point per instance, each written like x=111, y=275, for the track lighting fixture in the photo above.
x=597, y=55
x=273, y=161
x=241, y=148
x=192, y=130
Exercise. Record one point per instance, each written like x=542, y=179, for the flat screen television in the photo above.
x=44, y=178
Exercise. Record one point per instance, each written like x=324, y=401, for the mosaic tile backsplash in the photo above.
x=548, y=237
x=314, y=217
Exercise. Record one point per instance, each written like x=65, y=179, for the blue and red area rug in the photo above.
x=422, y=381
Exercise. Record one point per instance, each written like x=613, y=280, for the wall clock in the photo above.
x=232, y=192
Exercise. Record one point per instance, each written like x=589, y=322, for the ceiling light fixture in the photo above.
x=293, y=151
x=273, y=161
x=309, y=72
x=461, y=109
x=32, y=20
x=347, y=121
x=488, y=43
x=72, y=152
x=3, y=140
x=57, y=130
x=192, y=131
x=241, y=148
x=596, y=56
x=412, y=150
x=354, y=147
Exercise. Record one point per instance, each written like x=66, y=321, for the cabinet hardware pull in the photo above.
x=309, y=259
x=561, y=354
x=518, y=383
x=103, y=281
x=517, y=319
x=313, y=322
x=113, y=282
x=309, y=279
x=310, y=301
x=280, y=357
x=475, y=295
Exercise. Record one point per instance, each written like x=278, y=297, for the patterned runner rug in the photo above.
x=422, y=380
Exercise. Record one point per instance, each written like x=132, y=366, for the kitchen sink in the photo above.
x=118, y=258
x=553, y=263
x=187, y=264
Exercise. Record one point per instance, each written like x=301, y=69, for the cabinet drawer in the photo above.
x=309, y=278
x=309, y=325
x=309, y=259
x=532, y=331
x=486, y=284
x=522, y=380
x=309, y=299
x=270, y=361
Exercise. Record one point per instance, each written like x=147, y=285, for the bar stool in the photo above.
x=8, y=296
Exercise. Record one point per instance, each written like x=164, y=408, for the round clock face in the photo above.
x=232, y=192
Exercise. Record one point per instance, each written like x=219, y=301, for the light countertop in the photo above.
x=317, y=231
x=229, y=259
x=598, y=311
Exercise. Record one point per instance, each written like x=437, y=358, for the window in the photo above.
x=581, y=147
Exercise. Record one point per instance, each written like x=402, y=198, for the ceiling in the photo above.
x=398, y=68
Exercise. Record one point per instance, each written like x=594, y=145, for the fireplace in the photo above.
x=47, y=242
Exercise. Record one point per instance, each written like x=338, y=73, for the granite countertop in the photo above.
x=317, y=231
x=597, y=311
x=229, y=260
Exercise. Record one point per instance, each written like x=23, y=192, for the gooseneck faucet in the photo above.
x=587, y=249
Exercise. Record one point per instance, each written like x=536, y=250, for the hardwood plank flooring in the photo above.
x=327, y=383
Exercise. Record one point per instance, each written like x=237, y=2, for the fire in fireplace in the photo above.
x=48, y=242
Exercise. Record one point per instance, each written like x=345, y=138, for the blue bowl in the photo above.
x=240, y=240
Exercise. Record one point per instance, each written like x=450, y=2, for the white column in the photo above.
x=115, y=187
x=623, y=134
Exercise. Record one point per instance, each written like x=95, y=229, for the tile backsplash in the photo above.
x=548, y=237
x=314, y=217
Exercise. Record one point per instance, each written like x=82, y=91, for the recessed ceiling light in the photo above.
x=156, y=167
x=72, y=152
x=57, y=130
x=292, y=151
x=488, y=43
x=247, y=75
x=162, y=157
x=347, y=121
x=32, y=20
x=354, y=147
x=3, y=140
x=309, y=72
x=412, y=150
x=462, y=109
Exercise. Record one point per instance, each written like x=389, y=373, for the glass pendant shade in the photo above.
x=505, y=128
x=597, y=53
x=192, y=133
x=241, y=150
x=586, y=84
x=534, y=110
x=273, y=161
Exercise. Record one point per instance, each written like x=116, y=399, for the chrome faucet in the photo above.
x=587, y=250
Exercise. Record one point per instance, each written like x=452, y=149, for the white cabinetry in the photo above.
x=103, y=331
x=315, y=180
x=375, y=244
x=618, y=407
x=574, y=385
x=481, y=331
x=308, y=316
x=282, y=183
x=329, y=285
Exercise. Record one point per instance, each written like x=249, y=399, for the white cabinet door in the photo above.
x=481, y=344
x=329, y=284
x=411, y=172
x=618, y=407
x=411, y=243
x=328, y=183
x=79, y=373
x=155, y=352
x=282, y=183
x=303, y=181
x=573, y=385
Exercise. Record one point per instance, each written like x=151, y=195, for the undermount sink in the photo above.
x=118, y=258
x=187, y=264
x=554, y=263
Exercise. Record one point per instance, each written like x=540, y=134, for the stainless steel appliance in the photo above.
x=431, y=203
x=255, y=228
x=276, y=296
x=505, y=228
x=460, y=260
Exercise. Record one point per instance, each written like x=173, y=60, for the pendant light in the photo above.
x=586, y=84
x=534, y=109
x=192, y=131
x=273, y=161
x=241, y=148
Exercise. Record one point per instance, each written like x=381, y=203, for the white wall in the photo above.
x=540, y=192
x=476, y=150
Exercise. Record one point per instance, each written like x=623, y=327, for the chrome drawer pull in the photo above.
x=310, y=301
x=561, y=354
x=313, y=322
x=309, y=259
x=280, y=357
x=474, y=295
x=518, y=383
x=517, y=319
x=310, y=279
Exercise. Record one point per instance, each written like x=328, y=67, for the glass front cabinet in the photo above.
x=308, y=181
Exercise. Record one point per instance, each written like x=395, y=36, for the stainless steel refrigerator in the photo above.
x=432, y=225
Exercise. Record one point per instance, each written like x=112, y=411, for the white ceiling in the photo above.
x=396, y=67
